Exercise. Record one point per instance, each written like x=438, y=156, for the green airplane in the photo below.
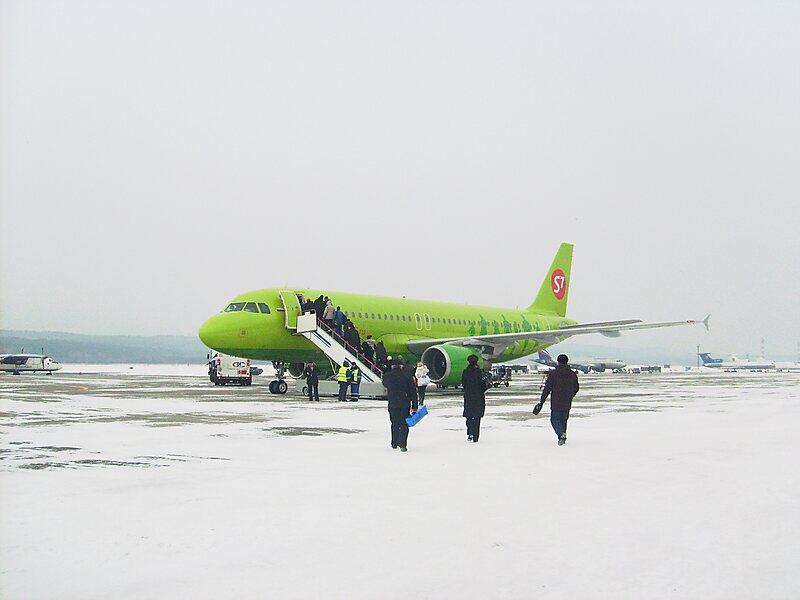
x=262, y=325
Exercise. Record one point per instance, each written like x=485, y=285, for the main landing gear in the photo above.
x=279, y=386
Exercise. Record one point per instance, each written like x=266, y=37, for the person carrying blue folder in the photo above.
x=402, y=395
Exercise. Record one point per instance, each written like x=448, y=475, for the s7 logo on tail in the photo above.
x=558, y=281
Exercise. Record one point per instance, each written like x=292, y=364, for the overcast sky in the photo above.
x=158, y=158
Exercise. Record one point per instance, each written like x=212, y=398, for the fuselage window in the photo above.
x=359, y=315
x=385, y=317
x=379, y=315
x=391, y=317
x=373, y=316
x=251, y=307
x=235, y=307
x=264, y=308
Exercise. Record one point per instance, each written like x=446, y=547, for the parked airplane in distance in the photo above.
x=734, y=364
x=583, y=364
x=29, y=363
x=262, y=325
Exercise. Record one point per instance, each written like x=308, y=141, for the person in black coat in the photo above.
x=311, y=373
x=402, y=397
x=561, y=386
x=352, y=338
x=319, y=306
x=368, y=351
x=381, y=357
x=473, y=385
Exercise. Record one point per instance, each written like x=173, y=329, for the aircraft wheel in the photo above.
x=281, y=387
x=305, y=391
x=506, y=384
x=272, y=387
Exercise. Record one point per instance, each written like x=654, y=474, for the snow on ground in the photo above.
x=164, y=486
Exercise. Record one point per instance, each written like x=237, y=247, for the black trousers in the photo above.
x=558, y=419
x=343, y=385
x=421, y=393
x=313, y=389
x=474, y=427
x=399, y=426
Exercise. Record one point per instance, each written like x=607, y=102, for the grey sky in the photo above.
x=160, y=157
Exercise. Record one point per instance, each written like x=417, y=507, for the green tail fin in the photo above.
x=552, y=296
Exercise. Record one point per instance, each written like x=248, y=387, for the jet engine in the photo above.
x=446, y=362
x=296, y=369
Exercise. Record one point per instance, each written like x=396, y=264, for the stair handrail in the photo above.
x=350, y=348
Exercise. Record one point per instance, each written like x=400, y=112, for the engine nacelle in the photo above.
x=446, y=362
x=296, y=369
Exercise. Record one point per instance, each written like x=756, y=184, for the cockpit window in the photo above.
x=264, y=308
x=235, y=307
x=251, y=307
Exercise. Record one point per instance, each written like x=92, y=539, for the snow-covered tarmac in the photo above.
x=123, y=485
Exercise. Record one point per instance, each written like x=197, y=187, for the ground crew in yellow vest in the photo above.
x=356, y=382
x=343, y=377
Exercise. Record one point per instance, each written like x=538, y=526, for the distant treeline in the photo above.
x=77, y=348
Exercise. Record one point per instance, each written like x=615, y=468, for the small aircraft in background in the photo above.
x=734, y=364
x=28, y=363
x=586, y=365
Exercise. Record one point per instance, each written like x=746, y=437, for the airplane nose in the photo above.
x=212, y=332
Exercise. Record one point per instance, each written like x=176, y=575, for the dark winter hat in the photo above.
x=398, y=361
x=472, y=359
x=563, y=359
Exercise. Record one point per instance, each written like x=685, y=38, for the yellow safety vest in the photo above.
x=342, y=375
x=355, y=374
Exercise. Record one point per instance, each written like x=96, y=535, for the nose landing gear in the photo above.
x=279, y=386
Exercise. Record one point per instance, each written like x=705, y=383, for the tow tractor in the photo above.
x=501, y=375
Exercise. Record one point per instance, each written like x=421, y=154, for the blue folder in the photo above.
x=417, y=416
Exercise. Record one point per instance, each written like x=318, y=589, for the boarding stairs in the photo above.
x=335, y=347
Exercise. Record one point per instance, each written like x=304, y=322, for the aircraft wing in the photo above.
x=501, y=341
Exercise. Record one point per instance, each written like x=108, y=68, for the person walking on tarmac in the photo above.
x=421, y=375
x=561, y=386
x=311, y=373
x=474, y=386
x=402, y=402
x=344, y=377
x=355, y=382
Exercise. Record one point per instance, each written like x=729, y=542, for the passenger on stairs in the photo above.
x=338, y=320
x=327, y=314
x=381, y=358
x=319, y=306
x=368, y=350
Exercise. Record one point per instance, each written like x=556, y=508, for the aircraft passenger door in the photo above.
x=291, y=307
x=427, y=319
x=418, y=321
